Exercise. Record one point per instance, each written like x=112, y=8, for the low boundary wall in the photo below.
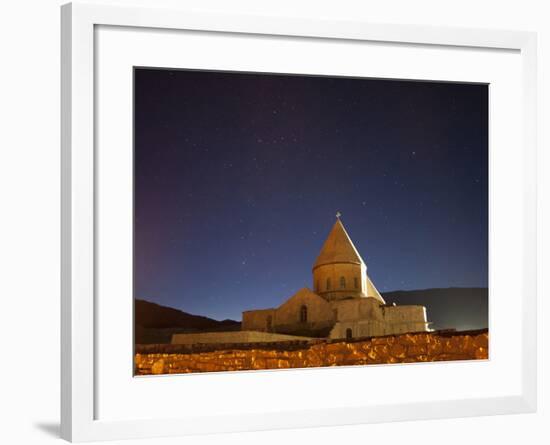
x=405, y=348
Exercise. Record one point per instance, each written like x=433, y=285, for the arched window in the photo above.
x=342, y=282
x=303, y=314
x=269, y=322
x=317, y=287
x=355, y=283
x=349, y=334
x=328, y=283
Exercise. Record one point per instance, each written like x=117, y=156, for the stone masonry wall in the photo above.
x=405, y=348
x=232, y=337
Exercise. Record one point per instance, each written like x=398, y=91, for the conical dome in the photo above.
x=338, y=248
x=339, y=273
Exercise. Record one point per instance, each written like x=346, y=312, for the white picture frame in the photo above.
x=79, y=416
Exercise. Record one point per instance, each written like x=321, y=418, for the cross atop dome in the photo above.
x=338, y=215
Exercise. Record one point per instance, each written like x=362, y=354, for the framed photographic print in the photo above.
x=234, y=174
x=260, y=207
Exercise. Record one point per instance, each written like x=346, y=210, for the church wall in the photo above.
x=366, y=317
x=257, y=320
x=374, y=328
x=358, y=308
x=335, y=272
x=286, y=318
x=359, y=328
x=318, y=310
x=399, y=314
x=320, y=329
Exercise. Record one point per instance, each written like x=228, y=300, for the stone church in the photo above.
x=344, y=302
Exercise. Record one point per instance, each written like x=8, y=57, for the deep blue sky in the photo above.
x=238, y=178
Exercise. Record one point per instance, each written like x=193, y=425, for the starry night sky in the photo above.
x=238, y=178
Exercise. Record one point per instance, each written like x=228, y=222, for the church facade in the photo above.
x=344, y=302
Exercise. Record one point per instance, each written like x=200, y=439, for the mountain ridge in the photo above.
x=460, y=308
x=153, y=315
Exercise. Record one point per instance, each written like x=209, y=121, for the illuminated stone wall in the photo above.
x=406, y=348
x=232, y=338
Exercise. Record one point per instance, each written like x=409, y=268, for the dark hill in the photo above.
x=152, y=315
x=455, y=307
x=156, y=324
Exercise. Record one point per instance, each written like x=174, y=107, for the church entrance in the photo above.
x=349, y=334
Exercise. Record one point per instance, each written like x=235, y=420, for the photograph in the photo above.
x=285, y=221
